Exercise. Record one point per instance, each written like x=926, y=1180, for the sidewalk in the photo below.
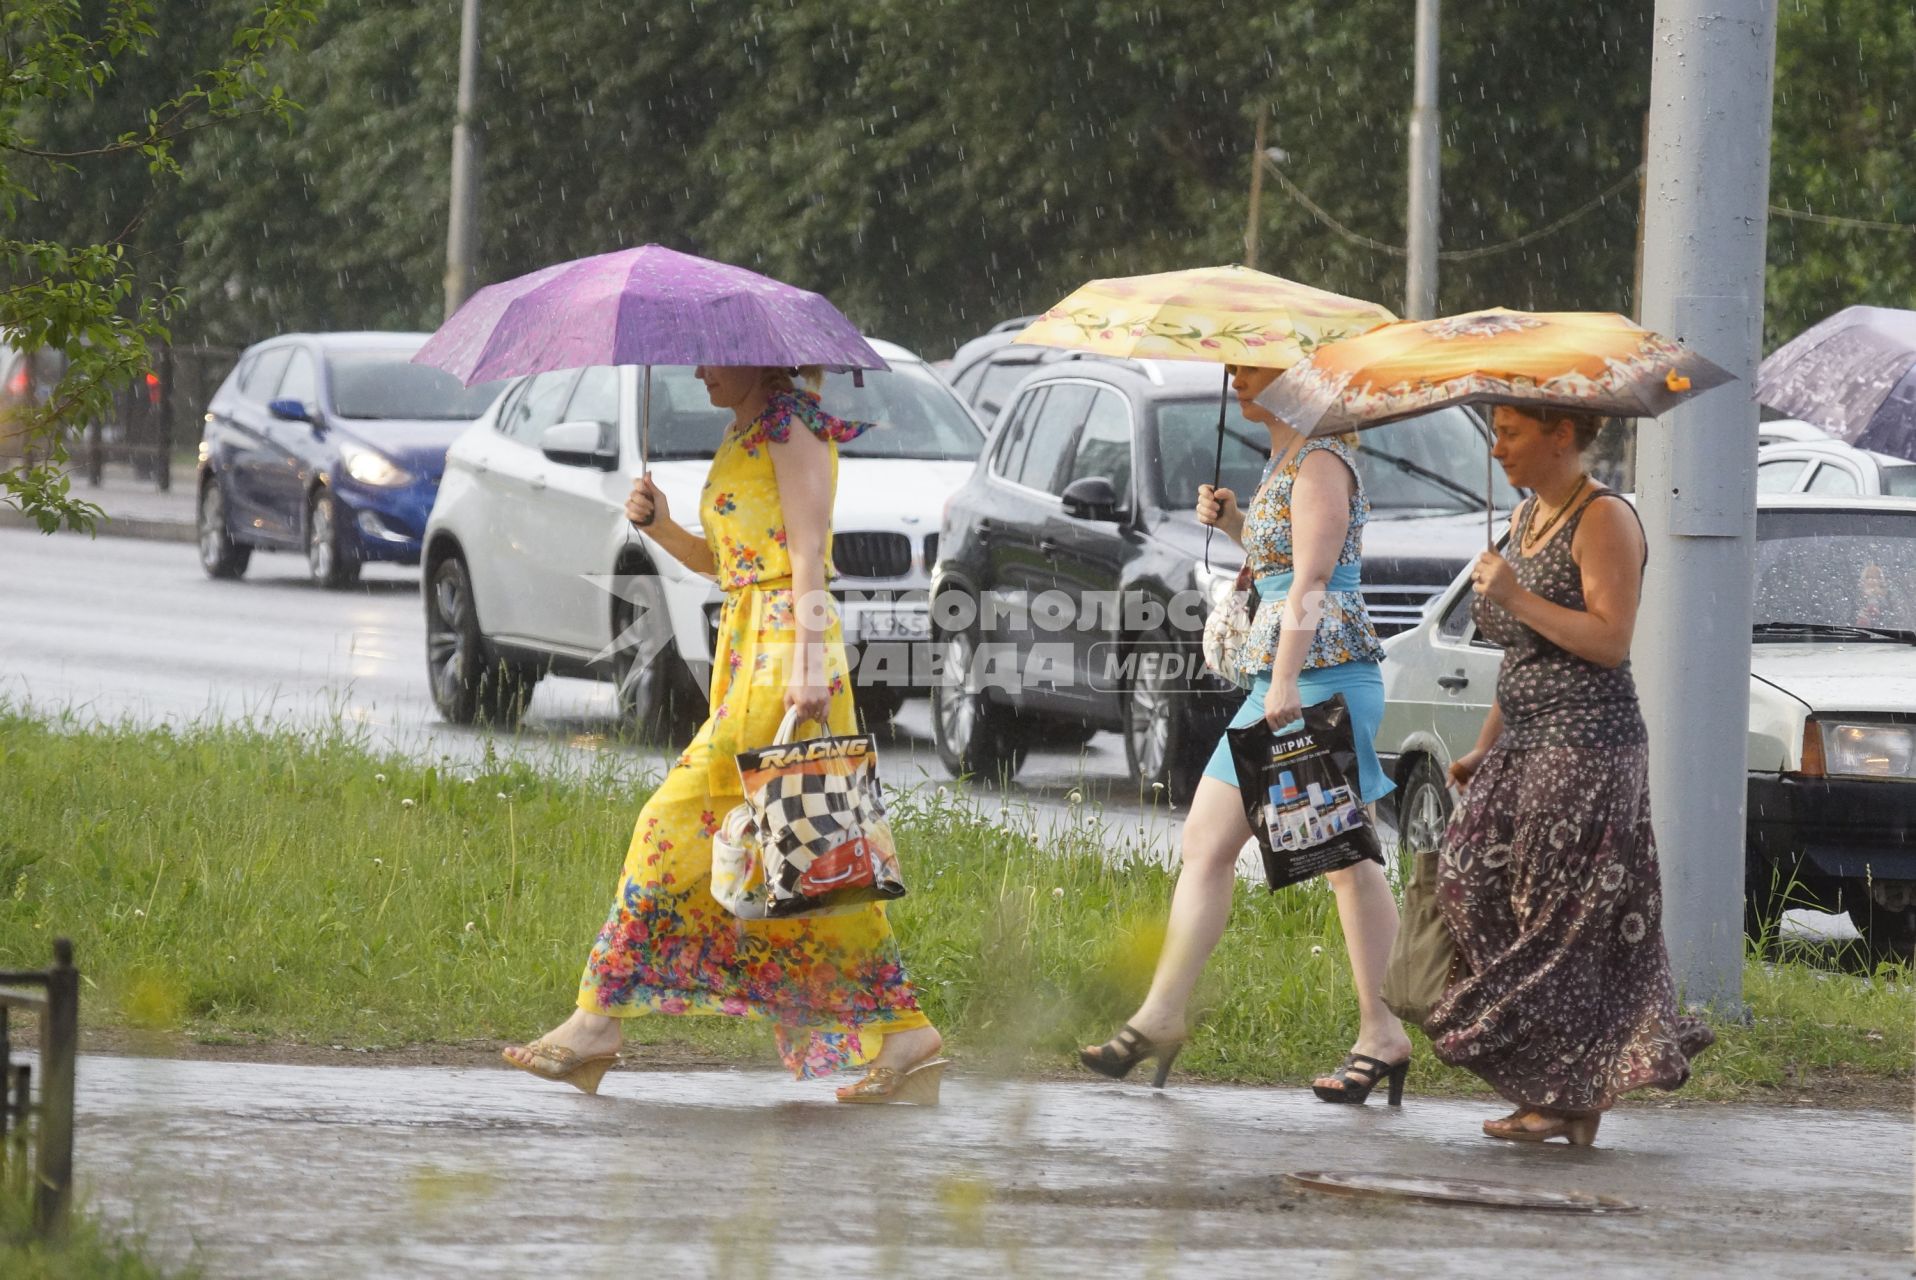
x=323, y=1171
x=134, y=507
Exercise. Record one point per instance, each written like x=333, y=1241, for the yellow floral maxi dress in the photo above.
x=832, y=986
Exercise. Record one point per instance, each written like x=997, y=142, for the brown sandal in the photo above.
x=1578, y=1130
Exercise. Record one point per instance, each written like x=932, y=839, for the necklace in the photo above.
x=1532, y=540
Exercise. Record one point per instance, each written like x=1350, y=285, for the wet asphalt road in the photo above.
x=318, y=1171
x=119, y=628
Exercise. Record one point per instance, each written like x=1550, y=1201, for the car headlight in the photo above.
x=371, y=468
x=1840, y=749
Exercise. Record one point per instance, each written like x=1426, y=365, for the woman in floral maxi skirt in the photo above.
x=833, y=987
x=1548, y=878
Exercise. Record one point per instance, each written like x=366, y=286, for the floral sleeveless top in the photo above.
x=739, y=511
x=1344, y=632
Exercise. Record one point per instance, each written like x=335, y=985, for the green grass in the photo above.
x=85, y=1253
x=239, y=885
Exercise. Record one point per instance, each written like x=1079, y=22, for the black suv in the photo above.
x=1071, y=587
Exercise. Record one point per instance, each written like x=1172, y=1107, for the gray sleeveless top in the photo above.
x=1551, y=697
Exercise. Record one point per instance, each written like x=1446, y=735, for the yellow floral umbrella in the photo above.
x=1227, y=315
x=1594, y=361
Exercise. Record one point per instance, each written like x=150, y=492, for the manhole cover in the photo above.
x=1489, y=1195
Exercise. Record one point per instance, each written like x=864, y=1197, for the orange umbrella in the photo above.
x=1593, y=361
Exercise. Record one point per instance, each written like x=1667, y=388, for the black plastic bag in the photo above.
x=1302, y=795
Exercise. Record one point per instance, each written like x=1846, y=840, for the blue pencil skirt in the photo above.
x=1361, y=683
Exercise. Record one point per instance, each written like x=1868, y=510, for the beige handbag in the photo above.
x=1425, y=955
x=1228, y=627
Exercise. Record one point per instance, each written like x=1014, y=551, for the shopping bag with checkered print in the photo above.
x=817, y=828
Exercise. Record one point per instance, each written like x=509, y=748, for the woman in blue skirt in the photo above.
x=1302, y=535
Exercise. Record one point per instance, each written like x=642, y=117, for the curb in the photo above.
x=121, y=527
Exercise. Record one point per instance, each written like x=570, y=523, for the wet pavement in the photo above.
x=320, y=1171
x=126, y=629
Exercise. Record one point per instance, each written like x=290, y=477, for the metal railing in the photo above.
x=37, y=1139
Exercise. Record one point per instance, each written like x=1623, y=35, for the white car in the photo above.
x=1833, y=468
x=1788, y=431
x=531, y=568
x=1832, y=739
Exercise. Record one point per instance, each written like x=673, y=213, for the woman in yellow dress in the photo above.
x=833, y=987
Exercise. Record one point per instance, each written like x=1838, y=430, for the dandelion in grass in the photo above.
x=1317, y=951
x=1058, y=894
x=406, y=803
x=1076, y=797
x=470, y=926
x=504, y=796
x=380, y=778
x=379, y=862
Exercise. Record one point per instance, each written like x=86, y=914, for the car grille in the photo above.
x=1397, y=608
x=872, y=555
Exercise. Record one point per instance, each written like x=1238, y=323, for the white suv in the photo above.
x=530, y=566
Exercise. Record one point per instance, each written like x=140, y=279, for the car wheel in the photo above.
x=1889, y=934
x=659, y=699
x=973, y=734
x=1159, y=744
x=470, y=685
x=1423, y=812
x=220, y=556
x=332, y=553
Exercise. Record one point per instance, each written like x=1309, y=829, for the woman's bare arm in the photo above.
x=803, y=464
x=1608, y=550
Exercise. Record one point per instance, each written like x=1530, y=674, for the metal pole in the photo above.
x=59, y=1045
x=1258, y=161
x=462, y=220
x=1707, y=196
x=1420, y=218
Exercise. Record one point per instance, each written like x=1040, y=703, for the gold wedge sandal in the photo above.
x=917, y=1084
x=560, y=1064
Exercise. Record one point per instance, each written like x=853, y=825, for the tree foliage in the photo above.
x=936, y=165
x=85, y=153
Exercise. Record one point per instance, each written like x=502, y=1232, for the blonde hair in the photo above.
x=812, y=375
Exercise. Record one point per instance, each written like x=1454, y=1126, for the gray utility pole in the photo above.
x=462, y=221
x=1420, y=218
x=1705, y=211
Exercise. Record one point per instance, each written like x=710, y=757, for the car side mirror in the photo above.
x=293, y=411
x=1092, y=498
x=581, y=444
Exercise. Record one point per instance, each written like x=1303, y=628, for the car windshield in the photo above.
x=1834, y=570
x=918, y=416
x=1428, y=465
x=386, y=384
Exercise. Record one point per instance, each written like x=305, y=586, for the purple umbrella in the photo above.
x=644, y=306
x=1854, y=375
x=649, y=305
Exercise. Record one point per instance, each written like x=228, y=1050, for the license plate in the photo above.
x=894, y=624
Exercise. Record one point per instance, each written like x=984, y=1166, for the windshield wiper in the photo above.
x=1468, y=494
x=1835, y=630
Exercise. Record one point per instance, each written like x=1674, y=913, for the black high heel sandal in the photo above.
x=1119, y=1055
x=1360, y=1073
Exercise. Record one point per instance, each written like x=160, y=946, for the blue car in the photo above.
x=328, y=443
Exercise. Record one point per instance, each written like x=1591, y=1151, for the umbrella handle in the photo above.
x=645, y=433
x=1217, y=464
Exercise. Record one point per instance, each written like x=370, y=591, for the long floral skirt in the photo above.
x=1549, y=883
x=833, y=986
